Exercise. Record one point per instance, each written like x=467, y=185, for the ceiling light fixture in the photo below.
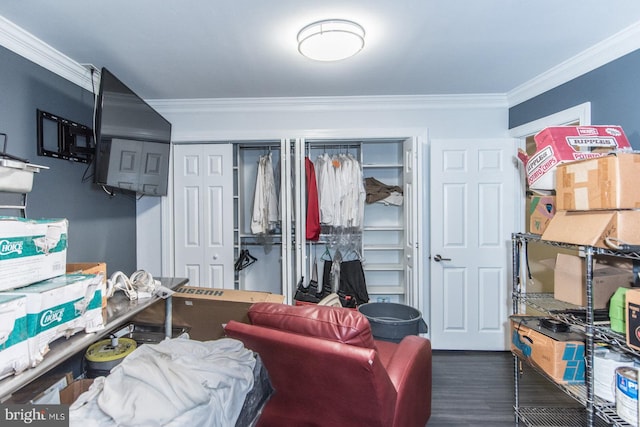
x=331, y=40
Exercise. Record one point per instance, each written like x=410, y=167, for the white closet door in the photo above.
x=290, y=242
x=203, y=212
x=412, y=211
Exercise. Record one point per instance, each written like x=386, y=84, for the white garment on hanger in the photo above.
x=264, y=218
x=340, y=190
x=325, y=175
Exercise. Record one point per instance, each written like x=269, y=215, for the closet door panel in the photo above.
x=203, y=211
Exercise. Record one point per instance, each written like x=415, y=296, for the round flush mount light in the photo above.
x=331, y=40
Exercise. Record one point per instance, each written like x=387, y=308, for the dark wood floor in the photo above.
x=476, y=388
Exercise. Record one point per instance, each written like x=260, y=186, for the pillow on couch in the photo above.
x=332, y=323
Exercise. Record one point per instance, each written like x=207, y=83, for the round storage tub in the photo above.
x=392, y=322
x=104, y=355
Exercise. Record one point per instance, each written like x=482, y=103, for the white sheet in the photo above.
x=177, y=382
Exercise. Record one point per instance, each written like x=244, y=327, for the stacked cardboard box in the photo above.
x=39, y=302
x=557, y=145
x=14, y=353
x=541, y=211
x=31, y=250
x=569, y=281
x=597, y=203
x=58, y=307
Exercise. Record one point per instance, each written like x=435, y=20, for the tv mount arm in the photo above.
x=74, y=141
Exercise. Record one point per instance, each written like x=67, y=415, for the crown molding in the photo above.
x=329, y=103
x=35, y=50
x=610, y=49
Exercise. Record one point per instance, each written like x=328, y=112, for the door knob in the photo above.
x=438, y=258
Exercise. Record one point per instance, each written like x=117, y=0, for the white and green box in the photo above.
x=60, y=307
x=14, y=350
x=31, y=250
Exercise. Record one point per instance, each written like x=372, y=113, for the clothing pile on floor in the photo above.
x=178, y=382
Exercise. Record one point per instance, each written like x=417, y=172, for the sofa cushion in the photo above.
x=332, y=323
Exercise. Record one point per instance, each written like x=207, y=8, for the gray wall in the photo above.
x=613, y=90
x=101, y=228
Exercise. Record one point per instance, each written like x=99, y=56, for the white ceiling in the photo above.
x=185, y=49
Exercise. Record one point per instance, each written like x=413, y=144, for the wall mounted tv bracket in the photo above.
x=64, y=139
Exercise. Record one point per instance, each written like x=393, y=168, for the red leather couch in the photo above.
x=327, y=369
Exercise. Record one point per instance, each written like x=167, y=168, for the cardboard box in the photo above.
x=206, y=310
x=559, y=354
x=70, y=393
x=59, y=307
x=31, y=250
x=592, y=228
x=14, y=350
x=608, y=182
x=560, y=144
x=541, y=210
x=569, y=281
x=632, y=317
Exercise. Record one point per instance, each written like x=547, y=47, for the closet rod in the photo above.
x=260, y=243
x=334, y=146
x=259, y=147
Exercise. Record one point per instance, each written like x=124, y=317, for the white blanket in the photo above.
x=177, y=382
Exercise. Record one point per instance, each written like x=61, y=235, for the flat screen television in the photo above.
x=133, y=141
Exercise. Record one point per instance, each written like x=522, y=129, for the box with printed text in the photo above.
x=559, y=354
x=14, y=350
x=206, y=310
x=31, y=250
x=560, y=144
x=60, y=307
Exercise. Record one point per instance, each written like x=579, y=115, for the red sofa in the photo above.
x=327, y=369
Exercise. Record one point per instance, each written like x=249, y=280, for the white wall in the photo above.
x=441, y=117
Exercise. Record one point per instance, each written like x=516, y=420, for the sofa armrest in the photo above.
x=409, y=368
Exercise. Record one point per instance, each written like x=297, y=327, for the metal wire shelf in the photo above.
x=596, y=412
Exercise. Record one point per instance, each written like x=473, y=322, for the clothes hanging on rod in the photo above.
x=313, y=210
x=341, y=190
x=265, y=215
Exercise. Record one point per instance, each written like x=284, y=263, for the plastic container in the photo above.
x=392, y=322
x=617, y=309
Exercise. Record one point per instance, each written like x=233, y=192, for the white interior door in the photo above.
x=203, y=212
x=472, y=218
x=412, y=211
